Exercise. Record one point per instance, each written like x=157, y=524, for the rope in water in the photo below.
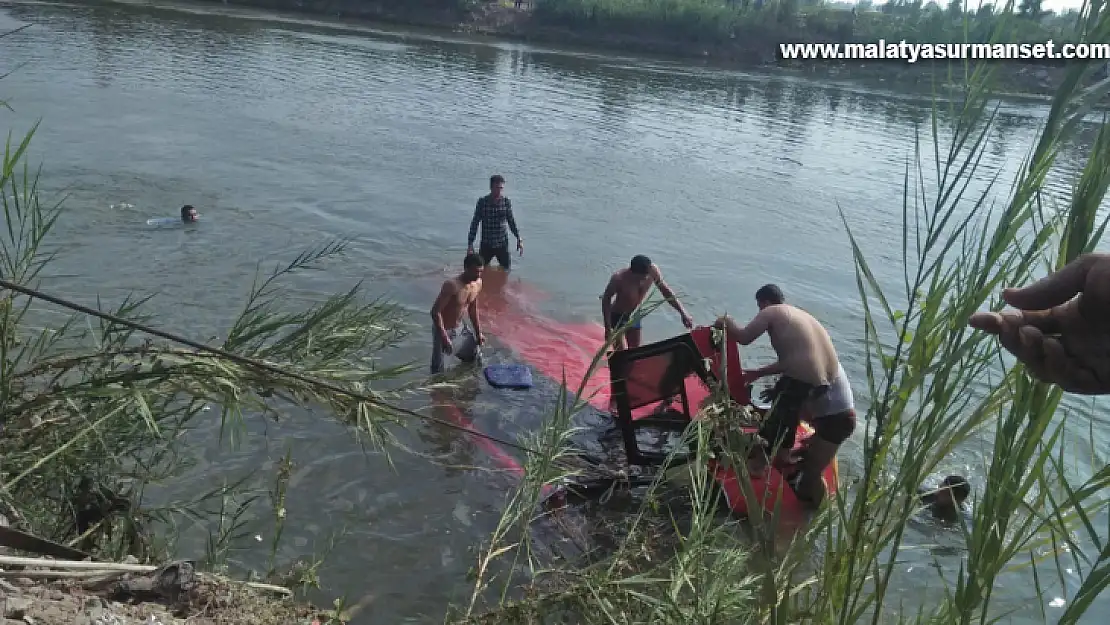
x=250, y=362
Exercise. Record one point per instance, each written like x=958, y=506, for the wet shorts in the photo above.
x=782, y=420
x=835, y=428
x=618, y=319
x=501, y=253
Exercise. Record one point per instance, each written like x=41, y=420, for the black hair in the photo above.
x=770, y=293
x=959, y=486
x=473, y=260
x=185, y=209
x=640, y=264
x=496, y=178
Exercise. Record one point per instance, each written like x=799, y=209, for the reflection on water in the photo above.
x=286, y=134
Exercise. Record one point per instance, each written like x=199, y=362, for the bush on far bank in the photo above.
x=739, y=21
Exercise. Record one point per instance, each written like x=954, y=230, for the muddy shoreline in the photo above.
x=34, y=596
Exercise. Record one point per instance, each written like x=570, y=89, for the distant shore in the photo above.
x=753, y=50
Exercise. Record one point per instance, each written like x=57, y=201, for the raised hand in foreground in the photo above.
x=1061, y=330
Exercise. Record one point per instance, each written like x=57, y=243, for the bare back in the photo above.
x=804, y=348
x=456, y=297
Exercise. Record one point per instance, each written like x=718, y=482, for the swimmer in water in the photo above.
x=946, y=501
x=188, y=214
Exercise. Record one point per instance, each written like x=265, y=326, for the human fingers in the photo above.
x=1053, y=289
x=1086, y=373
x=1007, y=322
x=1095, y=303
x=989, y=322
x=1054, y=320
x=1032, y=352
x=1048, y=360
x=1060, y=368
x=997, y=322
x=1025, y=349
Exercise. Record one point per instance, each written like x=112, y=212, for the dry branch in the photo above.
x=182, y=568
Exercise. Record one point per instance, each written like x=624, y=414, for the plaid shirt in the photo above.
x=493, y=214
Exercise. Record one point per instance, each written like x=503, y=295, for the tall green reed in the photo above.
x=933, y=386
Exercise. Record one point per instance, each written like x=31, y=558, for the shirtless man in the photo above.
x=630, y=286
x=457, y=294
x=807, y=361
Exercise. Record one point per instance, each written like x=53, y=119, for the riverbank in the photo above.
x=27, y=601
x=747, y=46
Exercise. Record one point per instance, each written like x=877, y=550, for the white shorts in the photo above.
x=838, y=399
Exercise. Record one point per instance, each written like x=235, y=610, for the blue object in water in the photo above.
x=509, y=376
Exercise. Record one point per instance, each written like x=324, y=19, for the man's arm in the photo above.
x=607, y=303
x=509, y=218
x=445, y=294
x=668, y=294
x=474, y=319
x=745, y=335
x=477, y=219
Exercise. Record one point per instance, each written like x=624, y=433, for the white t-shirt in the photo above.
x=838, y=398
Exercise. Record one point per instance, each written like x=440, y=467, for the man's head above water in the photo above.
x=768, y=295
x=640, y=265
x=188, y=213
x=472, y=267
x=952, y=492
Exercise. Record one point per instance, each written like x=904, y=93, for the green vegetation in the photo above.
x=749, y=31
x=92, y=413
x=931, y=385
x=743, y=22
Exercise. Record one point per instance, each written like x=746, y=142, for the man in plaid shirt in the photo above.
x=493, y=211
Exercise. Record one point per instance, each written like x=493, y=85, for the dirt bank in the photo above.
x=168, y=597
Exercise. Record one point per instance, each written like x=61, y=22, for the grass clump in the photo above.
x=931, y=385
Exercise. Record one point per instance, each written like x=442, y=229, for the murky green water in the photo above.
x=285, y=133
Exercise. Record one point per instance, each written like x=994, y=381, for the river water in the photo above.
x=286, y=131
